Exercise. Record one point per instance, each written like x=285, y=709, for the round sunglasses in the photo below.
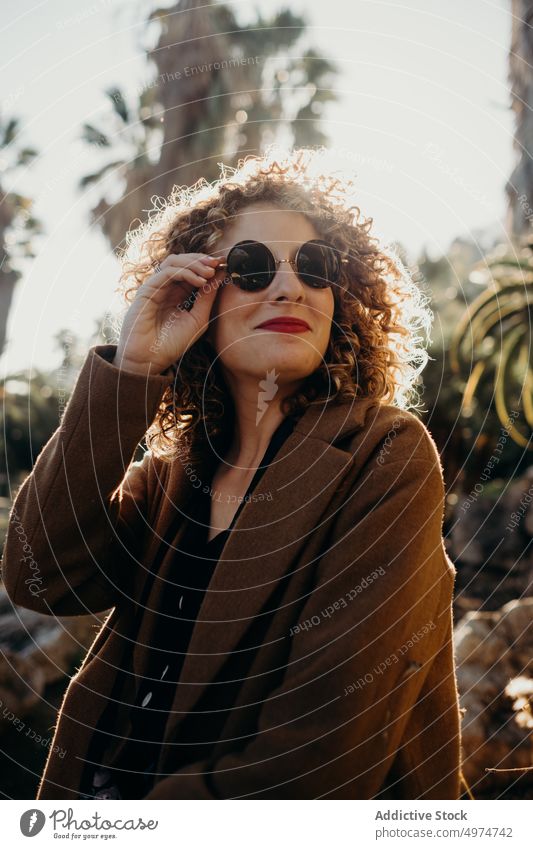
x=252, y=265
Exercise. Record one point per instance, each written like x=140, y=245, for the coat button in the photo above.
x=164, y=672
x=146, y=699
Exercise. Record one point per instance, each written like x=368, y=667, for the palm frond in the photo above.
x=26, y=155
x=9, y=132
x=93, y=135
x=90, y=179
x=119, y=104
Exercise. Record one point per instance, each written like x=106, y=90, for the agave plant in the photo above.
x=491, y=347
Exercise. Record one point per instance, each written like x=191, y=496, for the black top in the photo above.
x=137, y=758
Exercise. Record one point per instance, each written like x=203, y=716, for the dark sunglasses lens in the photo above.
x=251, y=265
x=318, y=264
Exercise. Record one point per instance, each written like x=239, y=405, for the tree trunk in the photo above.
x=519, y=187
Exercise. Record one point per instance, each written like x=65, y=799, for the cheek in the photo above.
x=228, y=315
x=325, y=326
x=325, y=307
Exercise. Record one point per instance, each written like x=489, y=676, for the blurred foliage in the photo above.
x=32, y=403
x=31, y=408
x=18, y=225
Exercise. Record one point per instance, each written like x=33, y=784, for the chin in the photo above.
x=291, y=362
x=288, y=369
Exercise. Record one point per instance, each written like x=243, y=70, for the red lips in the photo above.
x=286, y=323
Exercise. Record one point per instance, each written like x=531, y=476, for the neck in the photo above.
x=256, y=419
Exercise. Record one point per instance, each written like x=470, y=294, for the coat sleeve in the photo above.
x=372, y=633
x=77, y=516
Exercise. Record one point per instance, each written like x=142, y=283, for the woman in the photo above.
x=281, y=623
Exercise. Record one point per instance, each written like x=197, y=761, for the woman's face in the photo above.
x=246, y=350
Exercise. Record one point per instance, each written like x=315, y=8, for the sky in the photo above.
x=423, y=120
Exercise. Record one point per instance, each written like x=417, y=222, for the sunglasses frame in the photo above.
x=277, y=262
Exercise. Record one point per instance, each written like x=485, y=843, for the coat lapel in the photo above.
x=297, y=488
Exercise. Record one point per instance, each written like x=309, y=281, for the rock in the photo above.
x=36, y=650
x=494, y=657
x=489, y=543
x=21, y=686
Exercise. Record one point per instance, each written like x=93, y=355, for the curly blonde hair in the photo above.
x=375, y=348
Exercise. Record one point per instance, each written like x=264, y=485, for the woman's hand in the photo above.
x=158, y=327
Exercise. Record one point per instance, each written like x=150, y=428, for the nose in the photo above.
x=286, y=283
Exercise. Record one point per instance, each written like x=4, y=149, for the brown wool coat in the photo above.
x=321, y=664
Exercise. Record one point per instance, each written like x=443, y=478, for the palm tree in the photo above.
x=519, y=187
x=18, y=226
x=221, y=90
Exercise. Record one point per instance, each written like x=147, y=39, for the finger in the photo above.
x=215, y=258
x=183, y=260
x=201, y=295
x=195, y=271
x=200, y=303
x=212, y=286
x=181, y=291
x=208, y=292
x=202, y=267
x=186, y=274
x=158, y=286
